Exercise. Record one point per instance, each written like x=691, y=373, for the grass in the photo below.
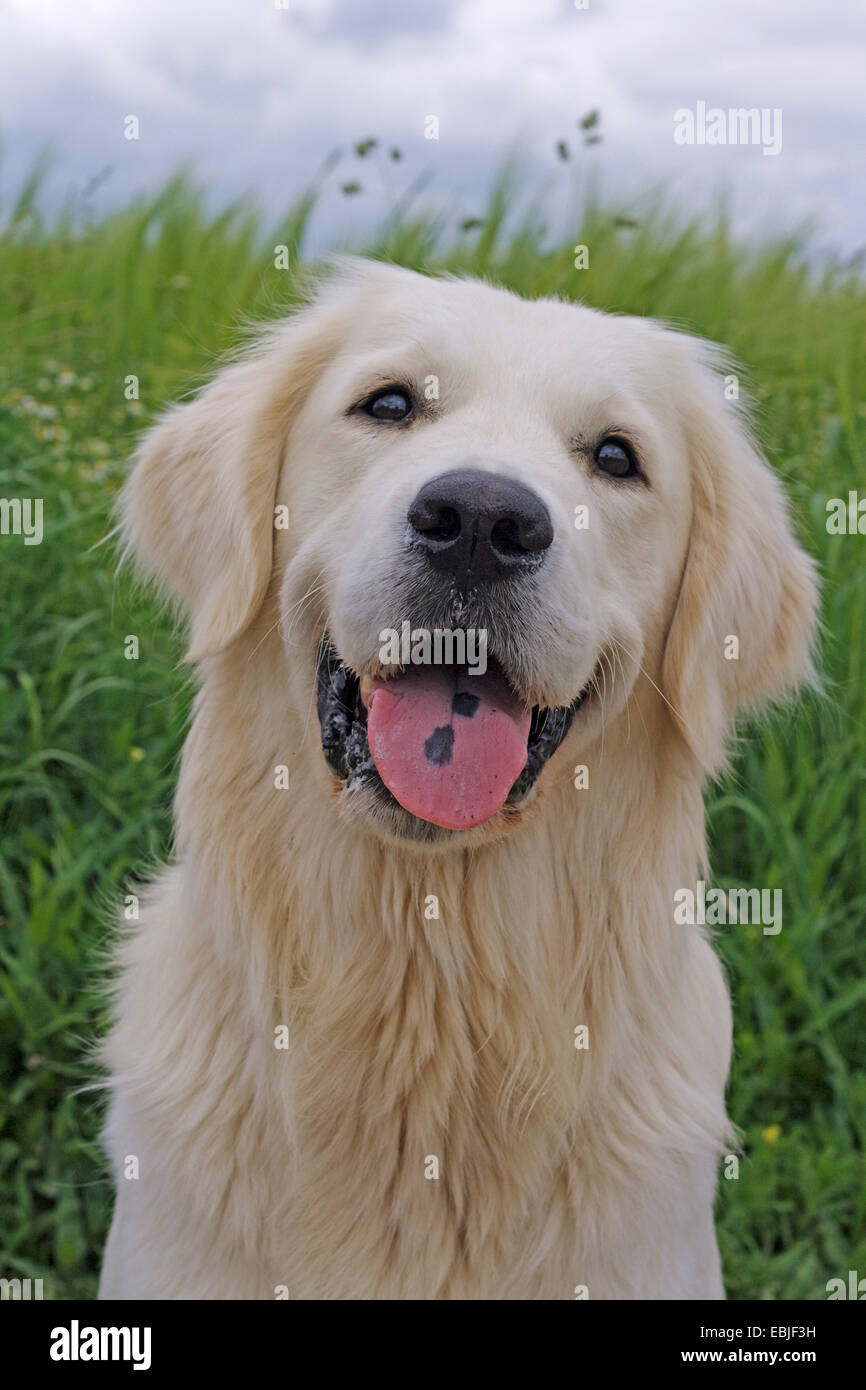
x=89, y=740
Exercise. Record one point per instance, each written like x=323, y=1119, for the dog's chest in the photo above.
x=432, y=1143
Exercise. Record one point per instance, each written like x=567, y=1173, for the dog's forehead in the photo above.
x=493, y=335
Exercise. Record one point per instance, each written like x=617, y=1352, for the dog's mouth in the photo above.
x=448, y=745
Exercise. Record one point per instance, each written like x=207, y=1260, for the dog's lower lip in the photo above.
x=343, y=721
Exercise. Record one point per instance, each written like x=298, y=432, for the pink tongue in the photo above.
x=448, y=745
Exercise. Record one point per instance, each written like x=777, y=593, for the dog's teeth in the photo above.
x=366, y=686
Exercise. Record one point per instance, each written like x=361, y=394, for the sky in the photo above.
x=255, y=94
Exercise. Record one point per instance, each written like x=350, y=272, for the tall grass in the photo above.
x=89, y=740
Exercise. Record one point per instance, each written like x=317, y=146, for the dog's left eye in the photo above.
x=616, y=457
x=389, y=404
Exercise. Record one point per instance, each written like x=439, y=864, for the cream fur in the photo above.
x=453, y=1038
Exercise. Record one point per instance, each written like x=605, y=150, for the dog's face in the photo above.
x=493, y=517
x=474, y=464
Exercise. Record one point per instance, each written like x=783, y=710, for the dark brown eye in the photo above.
x=616, y=458
x=389, y=404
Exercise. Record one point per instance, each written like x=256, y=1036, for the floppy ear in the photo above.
x=198, y=508
x=745, y=618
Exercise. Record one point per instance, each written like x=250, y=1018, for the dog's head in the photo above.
x=481, y=521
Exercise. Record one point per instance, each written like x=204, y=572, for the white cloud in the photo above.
x=258, y=95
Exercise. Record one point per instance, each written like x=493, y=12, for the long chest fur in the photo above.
x=439, y=1103
x=402, y=1076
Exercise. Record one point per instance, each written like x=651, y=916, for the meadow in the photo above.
x=89, y=740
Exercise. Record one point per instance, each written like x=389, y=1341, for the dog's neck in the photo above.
x=580, y=875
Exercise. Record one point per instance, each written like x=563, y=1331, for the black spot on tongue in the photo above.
x=437, y=748
x=465, y=703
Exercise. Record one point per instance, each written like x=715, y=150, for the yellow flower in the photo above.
x=772, y=1134
x=136, y=754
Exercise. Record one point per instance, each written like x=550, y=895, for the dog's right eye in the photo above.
x=388, y=404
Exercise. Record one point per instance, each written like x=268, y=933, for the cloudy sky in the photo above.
x=256, y=93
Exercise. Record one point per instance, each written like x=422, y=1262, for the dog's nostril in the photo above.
x=478, y=526
x=437, y=523
x=506, y=539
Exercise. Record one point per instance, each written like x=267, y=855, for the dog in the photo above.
x=410, y=1016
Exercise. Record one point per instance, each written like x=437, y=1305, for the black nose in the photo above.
x=479, y=526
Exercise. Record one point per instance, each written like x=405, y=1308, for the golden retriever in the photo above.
x=410, y=1015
